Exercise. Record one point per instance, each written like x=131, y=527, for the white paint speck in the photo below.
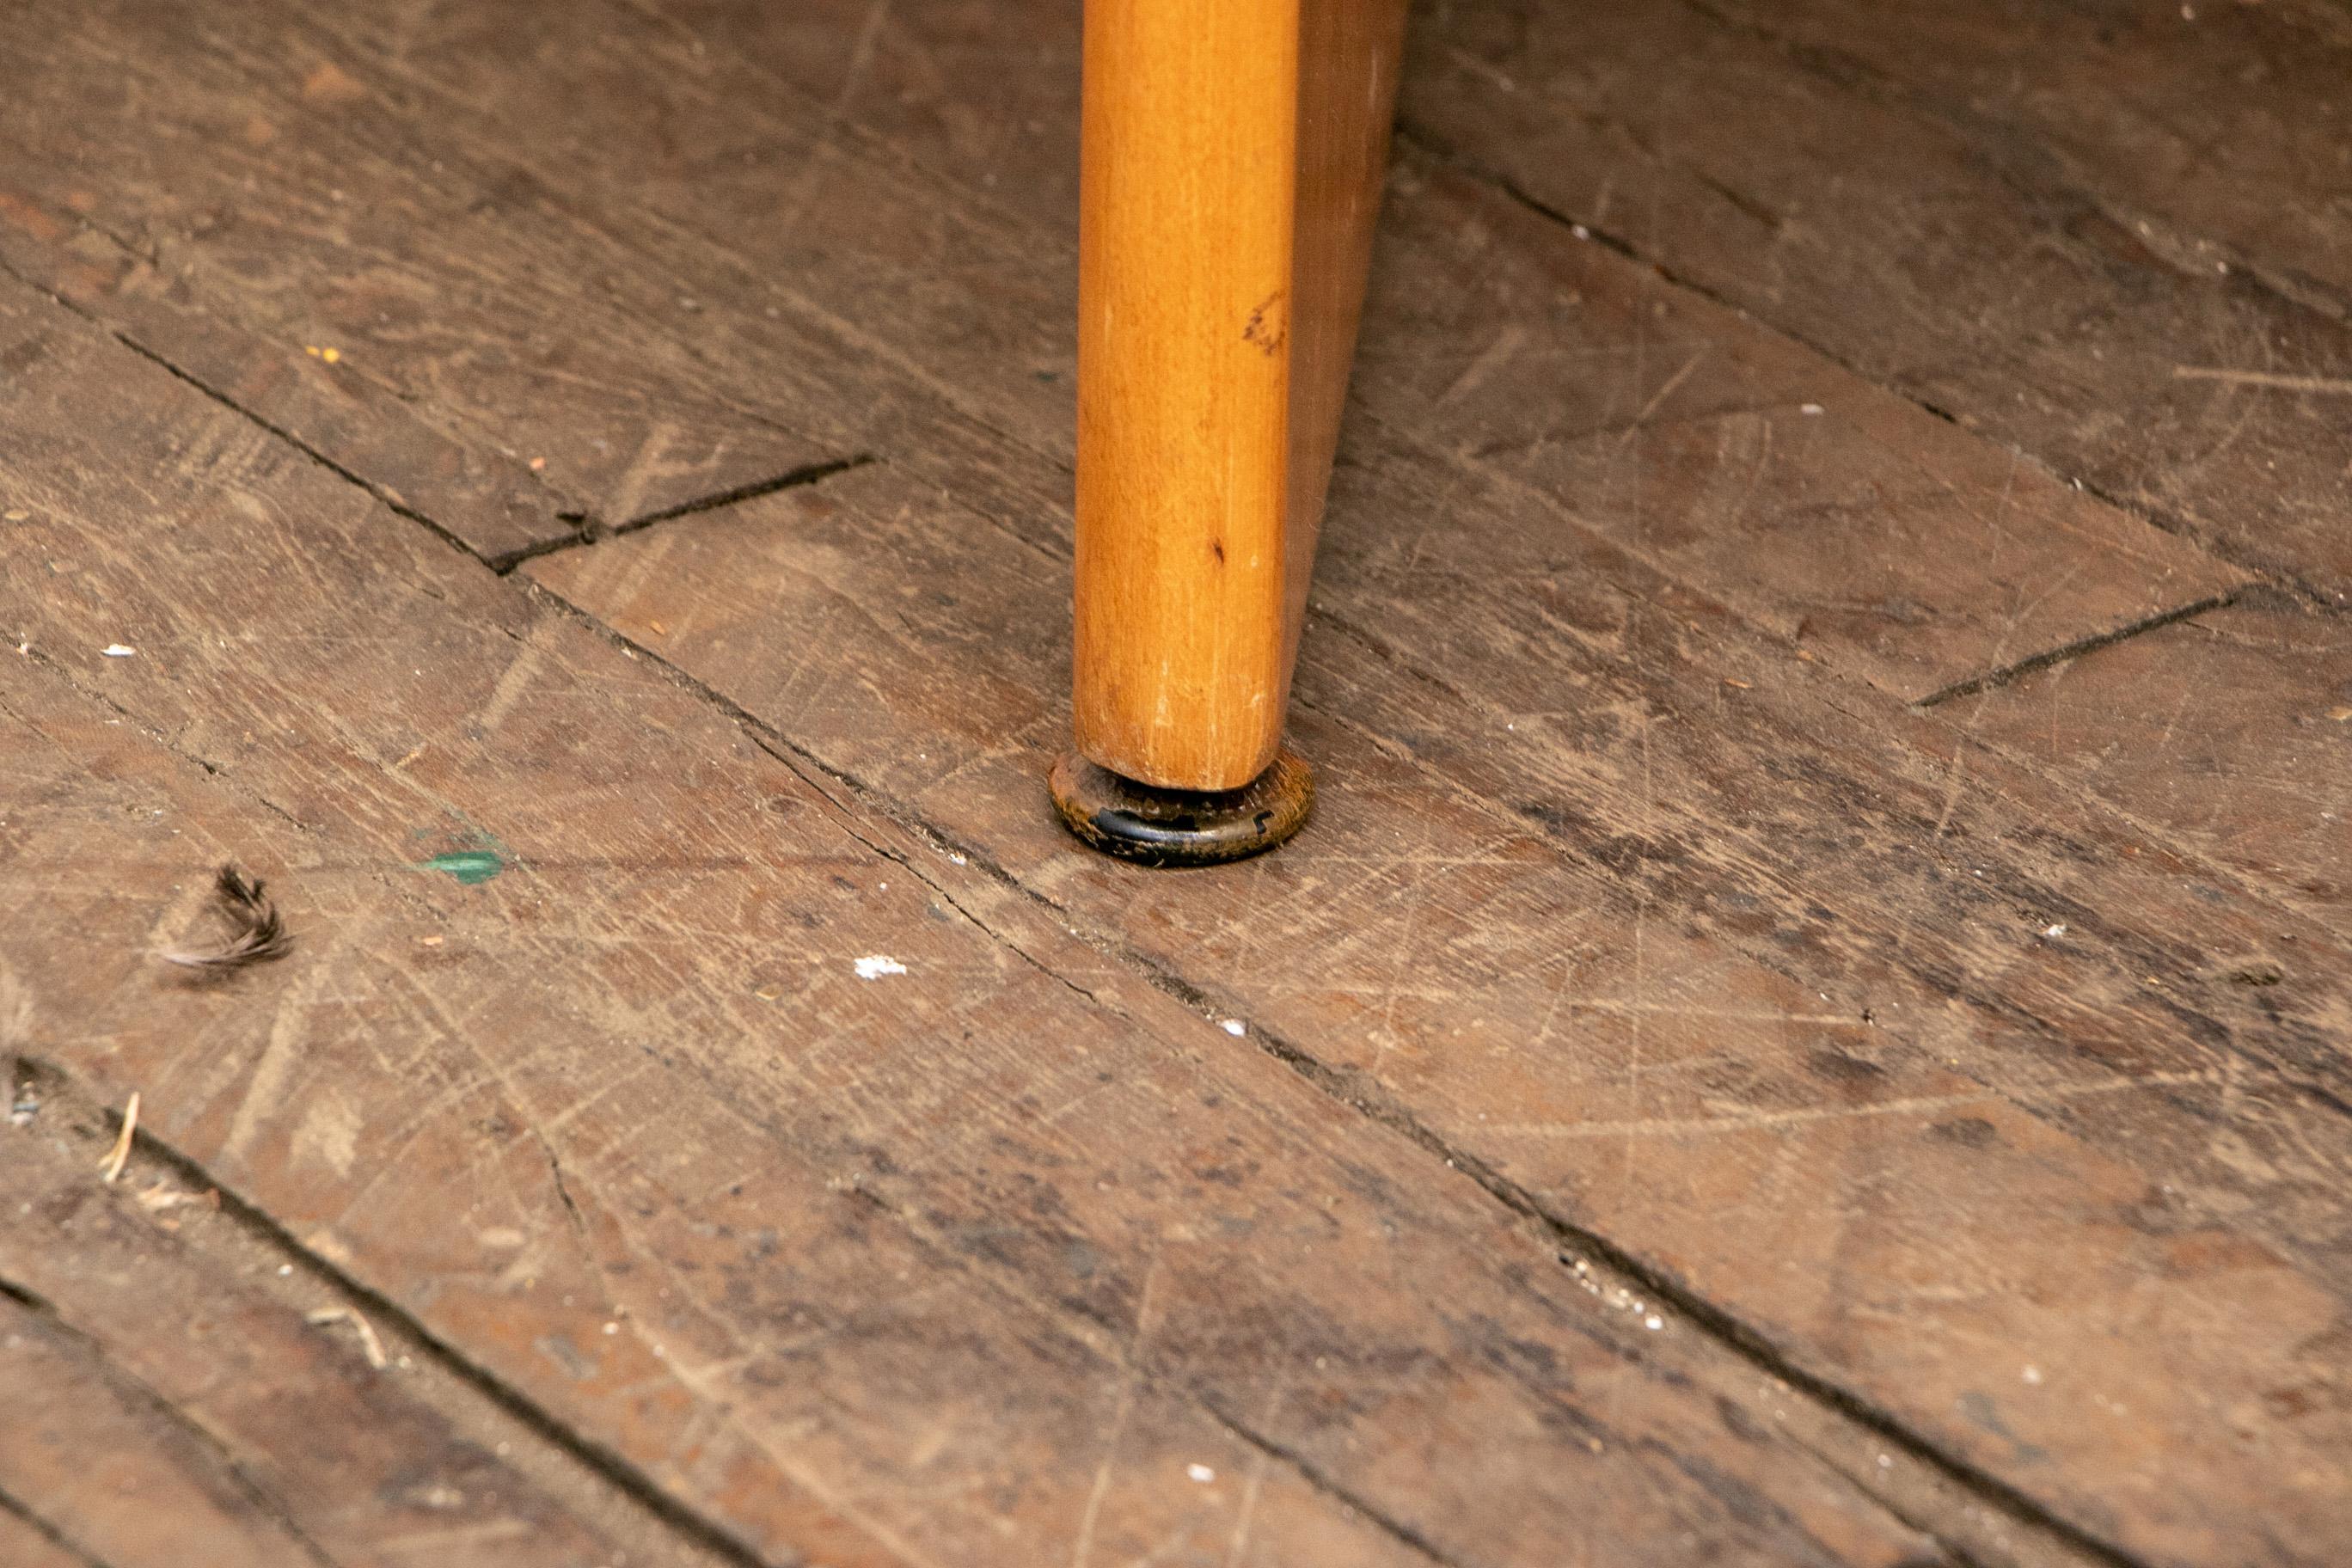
x=1579, y=230
x=1200, y=1473
x=2054, y=930
x=611, y=1327
x=116, y=651
x=2032, y=1375
x=1234, y=1027
x=1654, y=1322
x=874, y=966
x=1811, y=409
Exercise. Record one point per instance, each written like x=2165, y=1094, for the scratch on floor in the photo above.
x=281, y=1054
x=1920, y=1105
x=1659, y=398
x=1491, y=358
x=1086, y=1542
x=1253, y=1485
x=852, y=76
x=698, y=1382
x=511, y=683
x=2326, y=385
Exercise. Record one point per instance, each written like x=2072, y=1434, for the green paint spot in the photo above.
x=468, y=865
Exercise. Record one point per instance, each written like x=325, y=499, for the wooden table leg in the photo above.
x=1231, y=164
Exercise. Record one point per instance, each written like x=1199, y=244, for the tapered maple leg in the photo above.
x=1231, y=163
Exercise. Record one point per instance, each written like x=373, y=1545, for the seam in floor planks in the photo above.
x=2007, y=674
x=589, y=532
x=594, y=533
x=278, y=1536
x=33, y=1542
x=128, y=341
x=2257, y=785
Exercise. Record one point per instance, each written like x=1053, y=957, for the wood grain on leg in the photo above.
x=1232, y=156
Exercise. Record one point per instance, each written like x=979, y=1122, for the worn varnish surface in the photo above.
x=1810, y=1026
x=161, y=1359
x=2107, y=234
x=893, y=1147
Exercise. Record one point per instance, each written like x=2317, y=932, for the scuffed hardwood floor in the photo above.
x=1811, y=1027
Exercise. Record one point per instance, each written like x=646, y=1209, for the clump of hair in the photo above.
x=257, y=934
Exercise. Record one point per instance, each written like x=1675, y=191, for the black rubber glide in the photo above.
x=1155, y=826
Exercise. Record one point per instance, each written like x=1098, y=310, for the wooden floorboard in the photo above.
x=632, y=367
x=2227, y=734
x=1070, y=1234
x=509, y=337
x=1952, y=594
x=1996, y=216
x=1808, y=1027
x=1689, y=1018
x=113, y=1474
x=2228, y=125
x=181, y=1389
